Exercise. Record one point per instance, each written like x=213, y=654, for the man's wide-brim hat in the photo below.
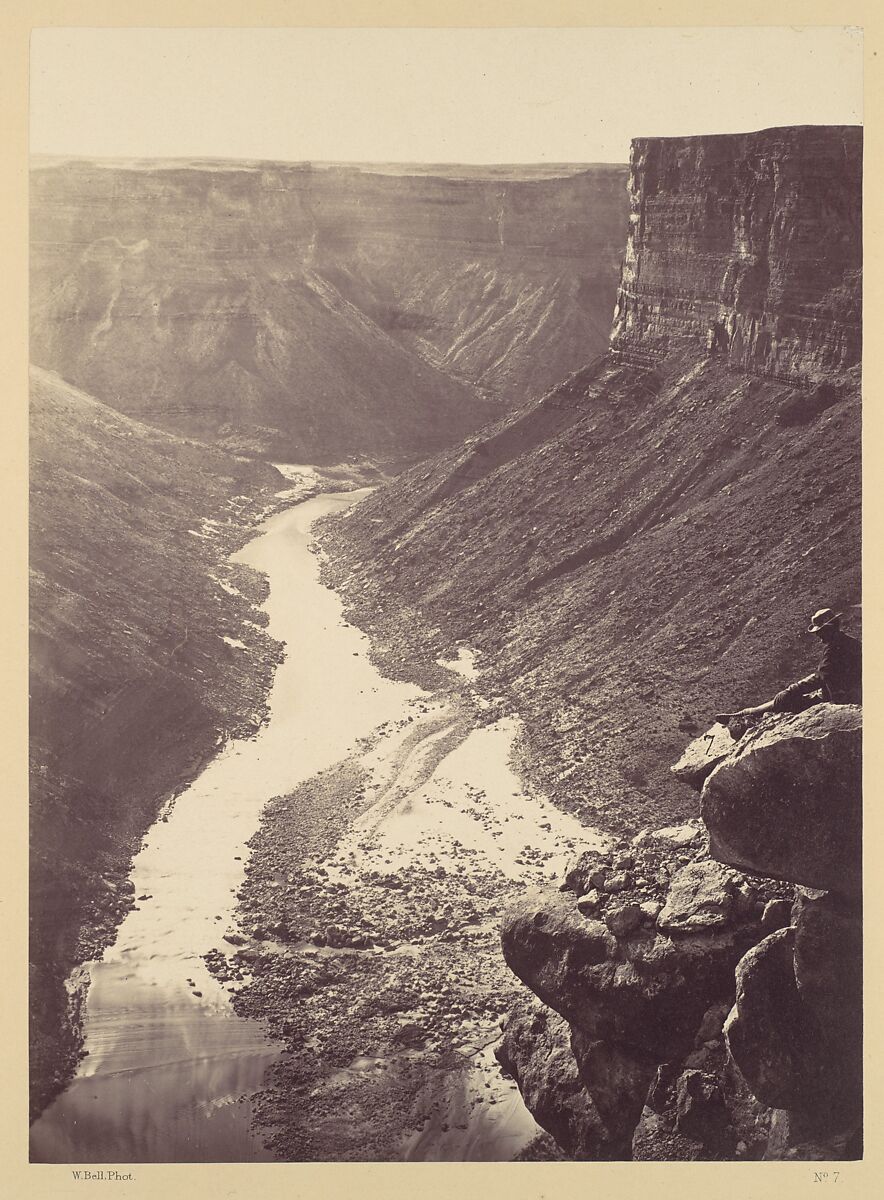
x=821, y=618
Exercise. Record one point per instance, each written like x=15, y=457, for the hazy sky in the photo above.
x=420, y=95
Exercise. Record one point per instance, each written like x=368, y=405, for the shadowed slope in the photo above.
x=132, y=683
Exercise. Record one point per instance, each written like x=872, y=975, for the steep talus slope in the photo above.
x=513, y=291
x=311, y=312
x=132, y=683
x=642, y=547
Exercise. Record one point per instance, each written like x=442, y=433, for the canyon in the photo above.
x=311, y=312
x=641, y=546
x=634, y=551
x=623, y=528
x=190, y=321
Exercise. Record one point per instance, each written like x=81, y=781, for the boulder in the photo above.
x=617, y=882
x=536, y=1051
x=828, y=956
x=700, y=897
x=764, y=1031
x=787, y=802
x=647, y=993
x=589, y=866
x=588, y=903
x=829, y=978
x=616, y=1080
x=703, y=755
x=691, y=833
x=795, y=1032
x=700, y=1112
x=623, y=918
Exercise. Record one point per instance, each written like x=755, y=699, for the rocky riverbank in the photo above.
x=369, y=940
x=149, y=651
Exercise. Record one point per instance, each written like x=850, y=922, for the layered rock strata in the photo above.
x=750, y=244
x=313, y=312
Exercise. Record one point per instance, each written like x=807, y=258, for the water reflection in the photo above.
x=170, y=1067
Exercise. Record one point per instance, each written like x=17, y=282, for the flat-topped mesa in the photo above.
x=748, y=247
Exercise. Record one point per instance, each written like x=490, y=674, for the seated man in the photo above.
x=837, y=680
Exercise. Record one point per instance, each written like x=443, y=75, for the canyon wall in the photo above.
x=640, y=547
x=310, y=313
x=637, y=550
x=133, y=677
x=751, y=244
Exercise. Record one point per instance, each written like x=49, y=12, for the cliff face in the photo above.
x=640, y=548
x=750, y=245
x=311, y=313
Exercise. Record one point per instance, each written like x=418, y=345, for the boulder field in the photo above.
x=691, y=1002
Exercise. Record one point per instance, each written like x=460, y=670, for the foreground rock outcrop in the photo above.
x=637, y=956
x=708, y=1014
x=788, y=801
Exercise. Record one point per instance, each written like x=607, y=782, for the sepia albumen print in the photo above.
x=446, y=705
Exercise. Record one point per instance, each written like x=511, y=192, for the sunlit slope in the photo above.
x=311, y=313
x=642, y=548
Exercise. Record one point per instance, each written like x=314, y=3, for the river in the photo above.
x=167, y=1059
x=170, y=1068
